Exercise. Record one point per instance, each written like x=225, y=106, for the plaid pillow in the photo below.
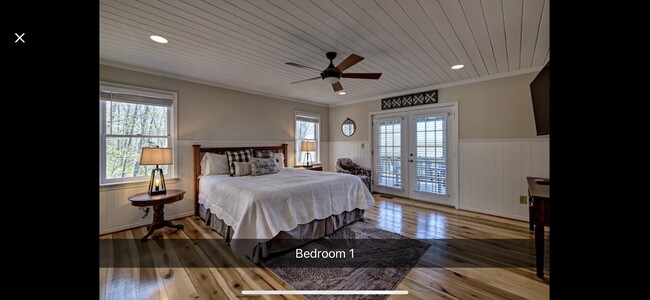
x=240, y=156
x=263, y=153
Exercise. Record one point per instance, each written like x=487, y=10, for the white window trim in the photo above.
x=173, y=139
x=318, y=135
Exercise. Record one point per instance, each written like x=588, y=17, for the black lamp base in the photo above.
x=308, y=160
x=157, y=190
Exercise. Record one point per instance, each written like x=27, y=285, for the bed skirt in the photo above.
x=284, y=240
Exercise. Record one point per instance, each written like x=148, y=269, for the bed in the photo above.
x=262, y=215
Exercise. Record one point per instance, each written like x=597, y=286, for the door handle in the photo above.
x=410, y=160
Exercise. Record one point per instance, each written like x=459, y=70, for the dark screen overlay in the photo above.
x=324, y=253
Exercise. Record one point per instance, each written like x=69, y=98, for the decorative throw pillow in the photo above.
x=262, y=166
x=263, y=153
x=242, y=168
x=240, y=156
x=214, y=164
x=279, y=159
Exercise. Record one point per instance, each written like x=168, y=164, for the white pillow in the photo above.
x=214, y=164
x=279, y=158
x=242, y=168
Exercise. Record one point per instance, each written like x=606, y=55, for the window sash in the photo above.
x=130, y=162
x=105, y=121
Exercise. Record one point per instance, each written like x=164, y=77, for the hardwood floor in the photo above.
x=407, y=217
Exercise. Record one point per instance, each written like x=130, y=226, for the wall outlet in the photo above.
x=523, y=199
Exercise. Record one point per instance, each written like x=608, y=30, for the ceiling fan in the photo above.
x=332, y=74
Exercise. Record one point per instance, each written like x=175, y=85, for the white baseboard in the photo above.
x=494, y=213
x=142, y=223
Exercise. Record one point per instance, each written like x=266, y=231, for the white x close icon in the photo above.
x=20, y=38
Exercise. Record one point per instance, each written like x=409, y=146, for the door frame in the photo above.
x=452, y=141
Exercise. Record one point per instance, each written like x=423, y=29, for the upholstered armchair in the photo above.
x=346, y=165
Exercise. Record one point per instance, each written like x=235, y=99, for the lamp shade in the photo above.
x=156, y=156
x=308, y=146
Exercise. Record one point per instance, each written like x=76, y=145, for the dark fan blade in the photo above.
x=305, y=80
x=362, y=75
x=348, y=62
x=301, y=66
x=337, y=86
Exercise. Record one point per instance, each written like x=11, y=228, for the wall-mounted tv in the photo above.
x=540, y=93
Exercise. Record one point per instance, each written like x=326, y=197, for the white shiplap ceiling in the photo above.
x=245, y=44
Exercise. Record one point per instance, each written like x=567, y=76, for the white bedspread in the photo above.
x=259, y=207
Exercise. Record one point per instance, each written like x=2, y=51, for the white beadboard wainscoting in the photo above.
x=493, y=173
x=359, y=152
x=492, y=176
x=116, y=212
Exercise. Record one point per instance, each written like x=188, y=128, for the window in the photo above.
x=131, y=119
x=307, y=129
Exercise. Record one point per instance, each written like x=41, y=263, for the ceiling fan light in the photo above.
x=331, y=80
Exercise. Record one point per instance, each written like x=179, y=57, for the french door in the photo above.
x=414, y=154
x=389, y=146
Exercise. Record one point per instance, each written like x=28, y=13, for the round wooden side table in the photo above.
x=158, y=202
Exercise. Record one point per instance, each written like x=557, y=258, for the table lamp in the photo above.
x=156, y=156
x=308, y=146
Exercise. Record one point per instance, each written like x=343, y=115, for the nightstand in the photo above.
x=312, y=168
x=158, y=202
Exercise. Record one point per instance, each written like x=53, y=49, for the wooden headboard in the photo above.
x=222, y=150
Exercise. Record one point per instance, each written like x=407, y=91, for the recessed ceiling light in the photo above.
x=456, y=67
x=159, y=39
x=341, y=93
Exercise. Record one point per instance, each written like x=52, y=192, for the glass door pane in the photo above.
x=431, y=154
x=389, y=156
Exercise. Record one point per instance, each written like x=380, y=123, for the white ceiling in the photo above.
x=244, y=44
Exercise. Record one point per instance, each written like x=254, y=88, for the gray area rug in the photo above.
x=381, y=260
